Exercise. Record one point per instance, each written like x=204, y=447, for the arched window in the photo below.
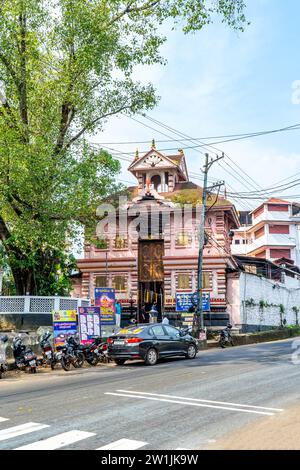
x=156, y=181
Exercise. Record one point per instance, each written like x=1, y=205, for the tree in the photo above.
x=65, y=67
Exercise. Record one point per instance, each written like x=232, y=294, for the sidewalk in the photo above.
x=281, y=431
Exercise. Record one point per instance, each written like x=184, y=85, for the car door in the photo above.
x=160, y=339
x=175, y=345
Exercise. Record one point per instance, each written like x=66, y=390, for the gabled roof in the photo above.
x=174, y=160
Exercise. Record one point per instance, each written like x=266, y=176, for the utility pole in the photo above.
x=198, y=318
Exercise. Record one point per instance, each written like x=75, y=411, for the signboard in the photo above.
x=105, y=299
x=64, y=325
x=89, y=324
x=184, y=301
x=187, y=319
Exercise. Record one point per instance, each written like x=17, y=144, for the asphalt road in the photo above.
x=177, y=404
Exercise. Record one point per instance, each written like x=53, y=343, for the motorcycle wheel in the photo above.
x=222, y=343
x=53, y=364
x=79, y=360
x=65, y=363
x=93, y=360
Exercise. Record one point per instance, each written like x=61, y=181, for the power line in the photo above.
x=243, y=135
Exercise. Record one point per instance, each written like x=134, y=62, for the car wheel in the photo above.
x=151, y=357
x=120, y=362
x=191, y=352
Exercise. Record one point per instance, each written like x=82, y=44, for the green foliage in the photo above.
x=66, y=66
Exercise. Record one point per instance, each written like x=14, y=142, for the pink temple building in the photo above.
x=153, y=253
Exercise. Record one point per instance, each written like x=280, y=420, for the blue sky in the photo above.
x=222, y=82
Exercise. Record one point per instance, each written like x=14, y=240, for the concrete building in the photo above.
x=273, y=233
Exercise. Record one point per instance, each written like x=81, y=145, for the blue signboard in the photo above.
x=185, y=300
x=105, y=299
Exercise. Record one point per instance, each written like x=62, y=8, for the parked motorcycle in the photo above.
x=93, y=353
x=3, y=363
x=104, y=358
x=24, y=356
x=71, y=354
x=225, y=337
x=49, y=356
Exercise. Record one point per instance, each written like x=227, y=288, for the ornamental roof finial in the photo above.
x=181, y=151
x=153, y=144
x=136, y=154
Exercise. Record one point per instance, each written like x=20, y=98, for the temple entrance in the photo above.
x=150, y=278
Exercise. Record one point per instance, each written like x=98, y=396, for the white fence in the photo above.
x=39, y=305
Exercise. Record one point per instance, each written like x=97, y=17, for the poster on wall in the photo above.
x=64, y=325
x=184, y=301
x=89, y=324
x=105, y=299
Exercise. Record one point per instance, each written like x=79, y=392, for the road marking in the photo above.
x=3, y=419
x=55, y=442
x=20, y=430
x=188, y=403
x=202, y=401
x=123, y=444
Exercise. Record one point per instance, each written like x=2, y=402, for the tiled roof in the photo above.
x=277, y=201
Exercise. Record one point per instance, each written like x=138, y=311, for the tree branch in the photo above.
x=23, y=78
x=88, y=126
x=4, y=232
x=128, y=9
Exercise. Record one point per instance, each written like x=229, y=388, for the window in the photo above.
x=183, y=281
x=120, y=243
x=120, y=283
x=205, y=280
x=171, y=331
x=236, y=242
x=281, y=229
x=158, y=330
x=101, y=281
x=183, y=239
x=259, y=233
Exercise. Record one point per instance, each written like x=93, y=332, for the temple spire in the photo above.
x=136, y=154
x=153, y=144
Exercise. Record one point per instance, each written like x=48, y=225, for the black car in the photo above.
x=150, y=342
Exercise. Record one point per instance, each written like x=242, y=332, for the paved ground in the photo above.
x=244, y=397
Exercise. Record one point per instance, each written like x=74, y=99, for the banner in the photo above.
x=184, y=301
x=64, y=325
x=105, y=298
x=89, y=324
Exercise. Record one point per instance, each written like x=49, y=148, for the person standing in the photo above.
x=118, y=313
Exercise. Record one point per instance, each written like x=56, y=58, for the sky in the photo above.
x=219, y=82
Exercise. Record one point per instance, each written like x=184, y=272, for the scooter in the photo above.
x=3, y=363
x=225, y=337
x=24, y=356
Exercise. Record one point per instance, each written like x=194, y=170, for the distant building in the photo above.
x=273, y=233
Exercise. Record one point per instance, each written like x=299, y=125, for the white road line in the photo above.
x=20, y=430
x=3, y=419
x=188, y=403
x=124, y=444
x=202, y=401
x=56, y=442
